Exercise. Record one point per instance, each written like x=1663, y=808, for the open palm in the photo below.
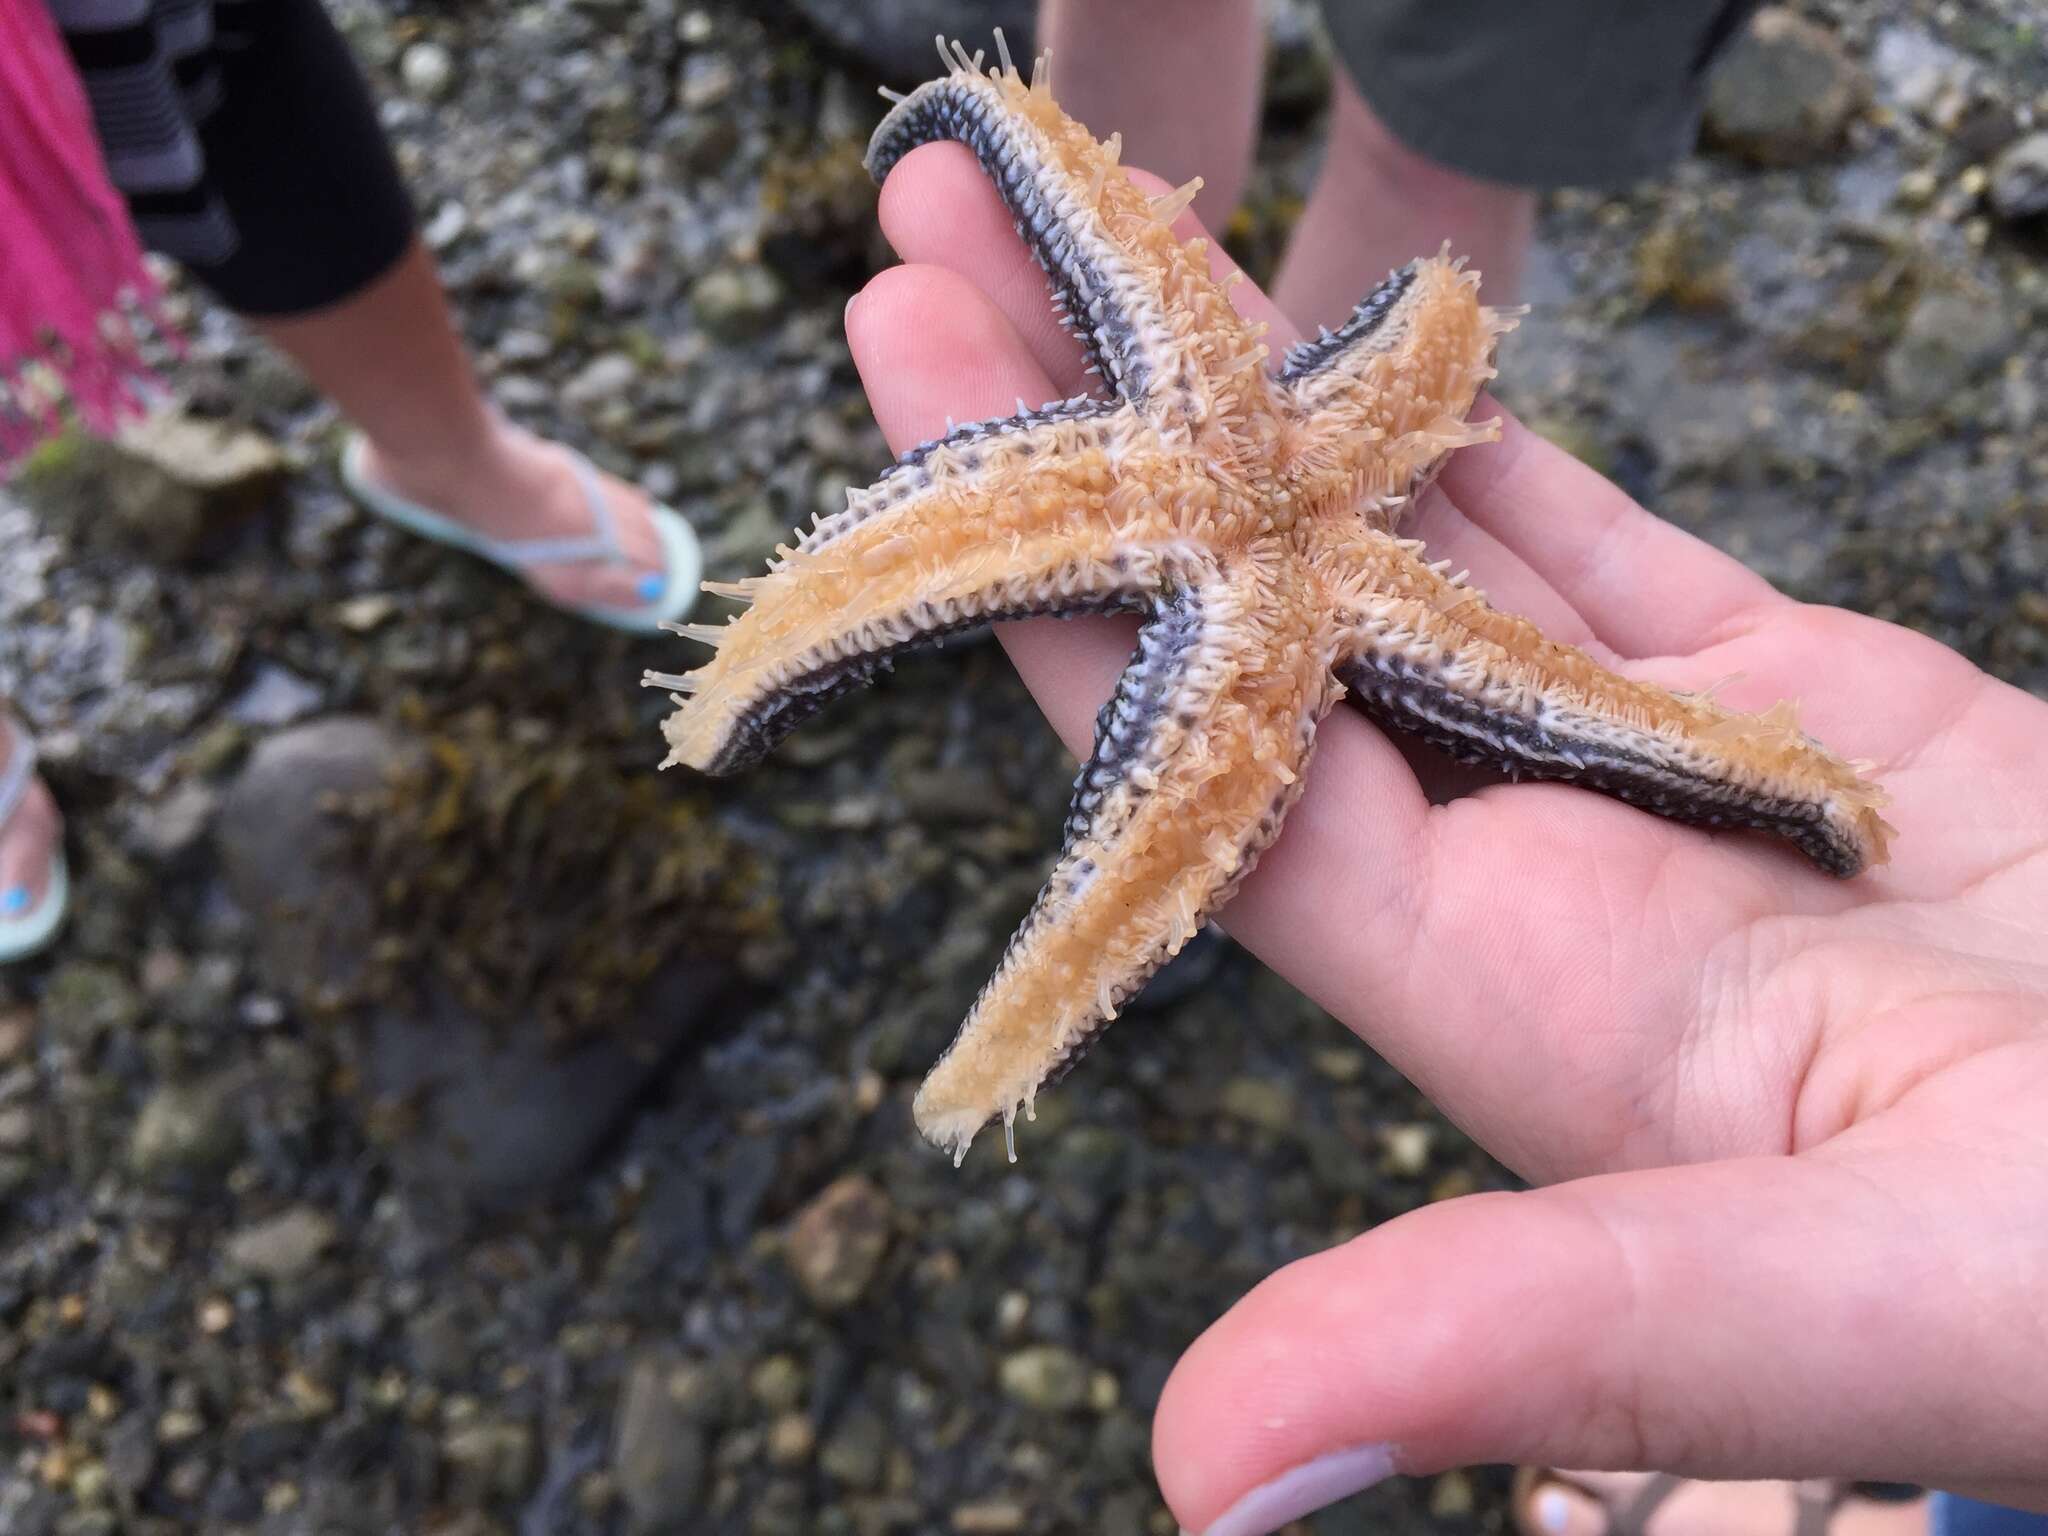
x=1793, y=1132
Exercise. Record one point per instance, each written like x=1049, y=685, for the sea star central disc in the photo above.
x=1248, y=515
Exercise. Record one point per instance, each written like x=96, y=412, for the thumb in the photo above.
x=1779, y=1317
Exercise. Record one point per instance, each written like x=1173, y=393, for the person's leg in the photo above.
x=1376, y=204
x=1448, y=116
x=256, y=159
x=1179, y=79
x=390, y=358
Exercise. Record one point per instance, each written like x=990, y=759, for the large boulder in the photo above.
x=1785, y=91
x=480, y=1105
x=167, y=486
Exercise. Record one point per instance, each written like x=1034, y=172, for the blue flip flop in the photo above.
x=667, y=597
x=26, y=930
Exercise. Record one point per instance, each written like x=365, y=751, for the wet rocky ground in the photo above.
x=434, y=1121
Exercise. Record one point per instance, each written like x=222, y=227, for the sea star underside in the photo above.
x=1248, y=515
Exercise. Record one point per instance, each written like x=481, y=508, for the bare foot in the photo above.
x=1606, y=1504
x=28, y=837
x=516, y=486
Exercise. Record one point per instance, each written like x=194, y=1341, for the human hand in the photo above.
x=1794, y=1131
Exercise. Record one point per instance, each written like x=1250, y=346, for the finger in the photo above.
x=938, y=208
x=932, y=347
x=1763, y=1318
x=1645, y=587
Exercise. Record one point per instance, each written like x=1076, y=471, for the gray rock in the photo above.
x=448, y=225
x=1950, y=339
x=894, y=37
x=189, y=1127
x=1916, y=71
x=736, y=302
x=275, y=696
x=131, y=1454
x=518, y=346
x=17, y=1127
x=702, y=145
x=777, y=1383
x=86, y=1001
x=1046, y=1377
x=440, y=1340
x=606, y=377
x=1264, y=1102
x=706, y=80
x=499, y=1115
x=369, y=611
x=857, y=1450
x=489, y=1460
x=988, y=1517
x=496, y=1115
x=428, y=71
x=285, y=853
x=657, y=1451
x=169, y=828
x=1405, y=1149
x=791, y=1440
x=2019, y=180
x=837, y=1242
x=1784, y=92
x=284, y=1246
x=519, y=392
x=17, y=1034
x=166, y=486
x=701, y=1391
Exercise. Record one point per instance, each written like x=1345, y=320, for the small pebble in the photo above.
x=1046, y=1377
x=1405, y=1149
x=428, y=70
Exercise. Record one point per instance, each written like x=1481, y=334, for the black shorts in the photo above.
x=1537, y=93
x=246, y=144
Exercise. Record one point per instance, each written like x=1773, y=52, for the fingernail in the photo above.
x=14, y=899
x=1553, y=1509
x=1304, y=1490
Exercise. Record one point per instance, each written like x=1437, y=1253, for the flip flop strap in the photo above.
x=602, y=544
x=19, y=768
x=1816, y=1508
x=1633, y=1518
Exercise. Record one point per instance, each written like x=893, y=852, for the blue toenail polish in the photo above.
x=652, y=585
x=14, y=899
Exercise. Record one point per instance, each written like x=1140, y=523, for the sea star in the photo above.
x=1248, y=515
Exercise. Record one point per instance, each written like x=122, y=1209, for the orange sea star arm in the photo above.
x=1426, y=655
